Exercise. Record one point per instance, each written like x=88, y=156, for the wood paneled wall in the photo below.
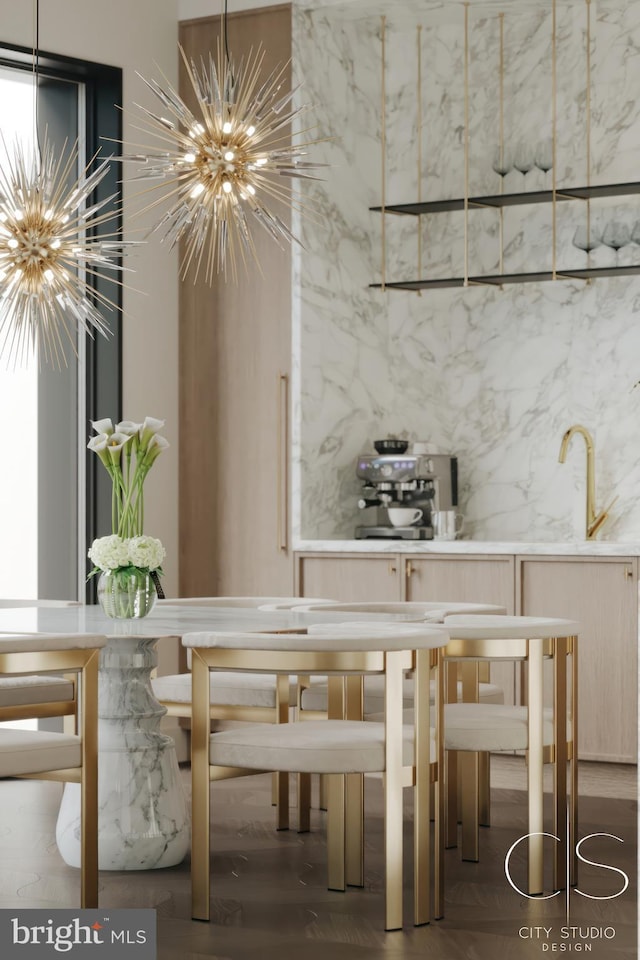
x=235, y=349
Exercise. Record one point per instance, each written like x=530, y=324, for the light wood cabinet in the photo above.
x=483, y=579
x=353, y=577
x=602, y=595
x=235, y=357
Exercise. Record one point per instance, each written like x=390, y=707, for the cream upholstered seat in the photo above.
x=59, y=756
x=546, y=735
x=338, y=747
x=47, y=696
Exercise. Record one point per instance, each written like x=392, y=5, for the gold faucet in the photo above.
x=594, y=521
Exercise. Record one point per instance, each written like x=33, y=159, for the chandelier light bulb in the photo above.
x=222, y=163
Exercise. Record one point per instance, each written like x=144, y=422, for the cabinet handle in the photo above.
x=408, y=570
x=282, y=491
x=628, y=573
x=392, y=566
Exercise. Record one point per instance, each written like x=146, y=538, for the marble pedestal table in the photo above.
x=143, y=818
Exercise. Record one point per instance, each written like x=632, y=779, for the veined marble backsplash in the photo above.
x=494, y=376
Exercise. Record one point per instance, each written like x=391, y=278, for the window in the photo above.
x=53, y=498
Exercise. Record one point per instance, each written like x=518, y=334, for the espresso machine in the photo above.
x=427, y=481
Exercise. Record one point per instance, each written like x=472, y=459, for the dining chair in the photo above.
x=547, y=735
x=312, y=696
x=338, y=746
x=46, y=696
x=42, y=755
x=254, y=697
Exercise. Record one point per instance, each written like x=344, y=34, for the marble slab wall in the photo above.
x=492, y=375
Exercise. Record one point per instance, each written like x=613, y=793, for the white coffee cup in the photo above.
x=404, y=516
x=447, y=524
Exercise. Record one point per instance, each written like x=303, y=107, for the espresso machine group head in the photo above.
x=425, y=481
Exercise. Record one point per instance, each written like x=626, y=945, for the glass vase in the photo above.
x=126, y=594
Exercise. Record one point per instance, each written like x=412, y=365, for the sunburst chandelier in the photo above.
x=47, y=259
x=50, y=255
x=224, y=161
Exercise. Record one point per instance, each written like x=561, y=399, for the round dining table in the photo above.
x=143, y=812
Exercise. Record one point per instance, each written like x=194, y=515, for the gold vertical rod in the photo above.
x=419, y=135
x=554, y=143
x=282, y=468
x=383, y=152
x=466, y=144
x=535, y=764
x=501, y=100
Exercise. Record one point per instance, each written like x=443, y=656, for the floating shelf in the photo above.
x=512, y=199
x=498, y=280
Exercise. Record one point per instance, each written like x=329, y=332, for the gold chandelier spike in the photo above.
x=221, y=163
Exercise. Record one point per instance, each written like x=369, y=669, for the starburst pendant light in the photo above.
x=224, y=162
x=49, y=254
x=47, y=260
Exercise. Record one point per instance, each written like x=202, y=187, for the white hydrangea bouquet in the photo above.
x=129, y=563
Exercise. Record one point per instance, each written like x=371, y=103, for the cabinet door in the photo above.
x=602, y=595
x=479, y=579
x=353, y=578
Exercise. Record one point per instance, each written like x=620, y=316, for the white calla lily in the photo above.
x=128, y=427
x=98, y=444
x=148, y=429
x=141, y=445
x=103, y=426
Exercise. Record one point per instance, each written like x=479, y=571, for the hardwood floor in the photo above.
x=269, y=891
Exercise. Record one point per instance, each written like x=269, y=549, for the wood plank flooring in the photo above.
x=269, y=889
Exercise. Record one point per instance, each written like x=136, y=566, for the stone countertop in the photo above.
x=577, y=548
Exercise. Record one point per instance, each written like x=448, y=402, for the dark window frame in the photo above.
x=103, y=376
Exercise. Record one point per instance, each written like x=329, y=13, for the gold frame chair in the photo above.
x=346, y=658
x=32, y=654
x=531, y=641
x=251, y=713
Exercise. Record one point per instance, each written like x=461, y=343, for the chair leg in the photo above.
x=322, y=792
x=535, y=781
x=451, y=794
x=393, y=851
x=422, y=794
x=336, y=792
x=200, y=841
x=89, y=843
x=304, y=802
x=560, y=810
x=484, y=789
x=469, y=764
x=282, y=813
x=355, y=830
